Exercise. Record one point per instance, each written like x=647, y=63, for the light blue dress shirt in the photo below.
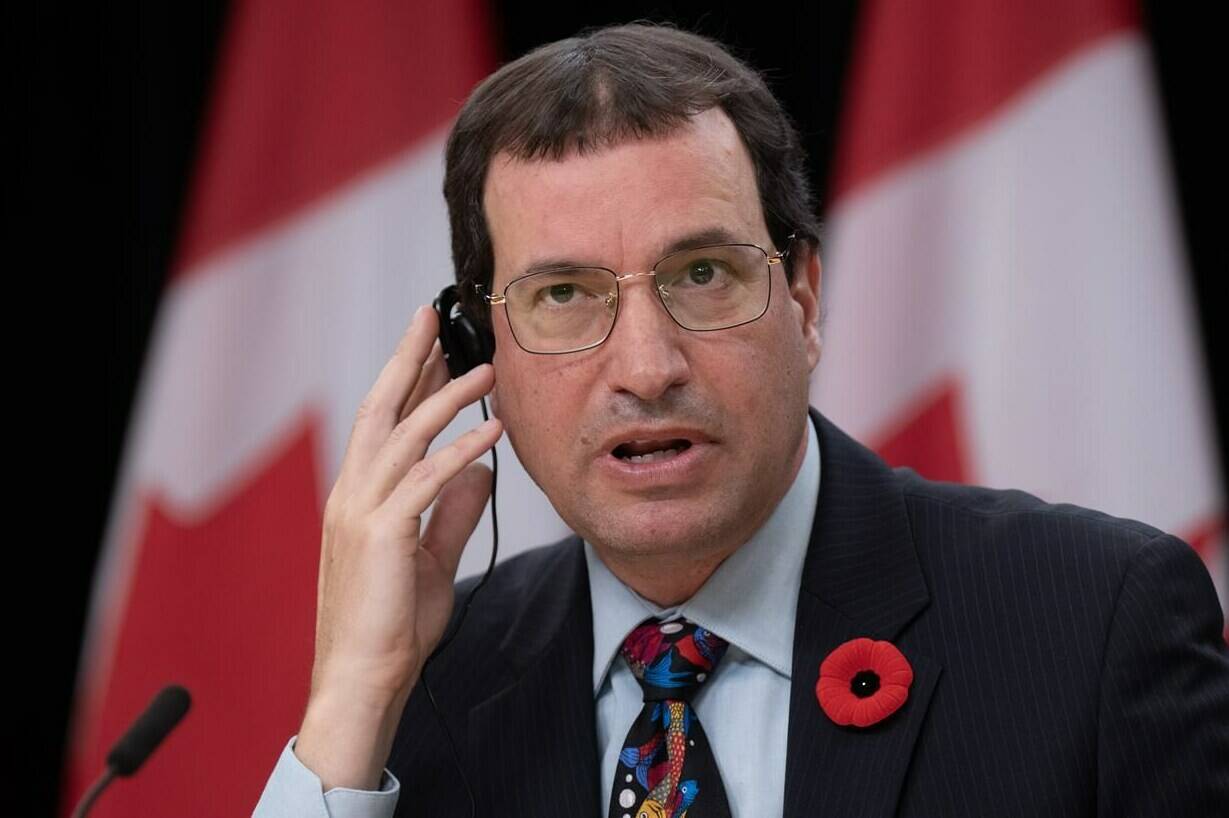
x=750, y=601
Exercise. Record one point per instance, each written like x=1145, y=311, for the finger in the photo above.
x=427, y=478
x=379, y=412
x=457, y=511
x=434, y=376
x=409, y=442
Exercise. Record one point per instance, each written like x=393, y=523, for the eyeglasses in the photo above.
x=717, y=286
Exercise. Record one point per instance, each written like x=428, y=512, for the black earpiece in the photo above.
x=464, y=344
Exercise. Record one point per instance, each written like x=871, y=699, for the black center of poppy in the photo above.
x=864, y=683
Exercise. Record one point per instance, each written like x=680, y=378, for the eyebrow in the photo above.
x=688, y=241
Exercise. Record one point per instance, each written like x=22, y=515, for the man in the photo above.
x=1028, y=658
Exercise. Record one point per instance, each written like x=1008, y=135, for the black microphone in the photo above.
x=145, y=734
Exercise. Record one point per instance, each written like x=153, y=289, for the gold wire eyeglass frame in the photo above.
x=771, y=259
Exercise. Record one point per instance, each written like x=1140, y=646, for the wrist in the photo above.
x=354, y=685
x=347, y=735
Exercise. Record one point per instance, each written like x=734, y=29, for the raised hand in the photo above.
x=385, y=586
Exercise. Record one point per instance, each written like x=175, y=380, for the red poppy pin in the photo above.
x=863, y=682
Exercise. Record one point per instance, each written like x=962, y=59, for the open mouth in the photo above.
x=648, y=451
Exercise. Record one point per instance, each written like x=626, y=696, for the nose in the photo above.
x=644, y=355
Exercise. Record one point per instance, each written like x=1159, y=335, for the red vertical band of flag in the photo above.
x=311, y=93
x=208, y=577
x=1009, y=299
x=924, y=73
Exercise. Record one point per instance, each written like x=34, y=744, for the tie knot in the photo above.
x=672, y=659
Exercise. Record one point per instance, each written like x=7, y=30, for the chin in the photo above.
x=654, y=527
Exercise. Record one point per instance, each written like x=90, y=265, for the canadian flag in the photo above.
x=315, y=227
x=1009, y=302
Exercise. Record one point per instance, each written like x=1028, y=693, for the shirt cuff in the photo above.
x=294, y=790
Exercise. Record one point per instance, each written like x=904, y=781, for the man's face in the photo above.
x=738, y=395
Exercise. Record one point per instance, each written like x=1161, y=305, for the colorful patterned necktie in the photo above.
x=666, y=768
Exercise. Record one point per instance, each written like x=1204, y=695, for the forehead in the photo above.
x=620, y=207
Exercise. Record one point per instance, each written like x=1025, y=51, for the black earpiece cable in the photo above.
x=469, y=598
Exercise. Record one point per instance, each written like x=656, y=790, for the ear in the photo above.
x=805, y=290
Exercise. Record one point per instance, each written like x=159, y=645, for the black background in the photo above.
x=114, y=98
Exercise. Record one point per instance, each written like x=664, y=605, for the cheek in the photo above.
x=765, y=381
x=539, y=410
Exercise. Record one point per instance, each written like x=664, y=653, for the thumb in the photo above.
x=456, y=514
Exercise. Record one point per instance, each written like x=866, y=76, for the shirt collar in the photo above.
x=751, y=600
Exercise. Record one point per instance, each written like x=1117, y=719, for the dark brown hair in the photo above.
x=601, y=87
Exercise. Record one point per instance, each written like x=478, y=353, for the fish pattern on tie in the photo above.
x=670, y=660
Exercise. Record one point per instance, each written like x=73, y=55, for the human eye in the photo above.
x=563, y=290
x=558, y=293
x=705, y=272
x=702, y=273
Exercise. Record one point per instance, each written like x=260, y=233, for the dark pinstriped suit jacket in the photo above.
x=1065, y=663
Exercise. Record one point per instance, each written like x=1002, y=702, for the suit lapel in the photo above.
x=861, y=578
x=534, y=741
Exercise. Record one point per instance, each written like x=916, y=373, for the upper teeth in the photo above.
x=660, y=454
